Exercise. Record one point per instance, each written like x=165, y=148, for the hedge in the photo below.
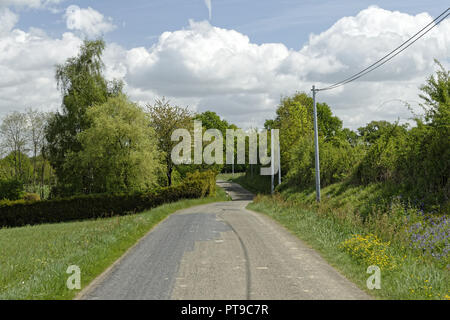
x=11, y=189
x=20, y=213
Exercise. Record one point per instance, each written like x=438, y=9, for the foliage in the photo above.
x=31, y=197
x=11, y=189
x=337, y=160
x=13, y=130
x=323, y=226
x=19, y=213
x=370, y=250
x=82, y=85
x=295, y=121
x=210, y=120
x=431, y=236
x=165, y=118
x=416, y=159
x=125, y=158
x=381, y=160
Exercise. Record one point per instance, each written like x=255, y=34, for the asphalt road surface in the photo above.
x=221, y=251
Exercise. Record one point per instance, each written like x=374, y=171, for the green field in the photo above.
x=34, y=259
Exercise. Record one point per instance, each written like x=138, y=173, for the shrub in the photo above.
x=11, y=189
x=370, y=250
x=20, y=213
x=31, y=197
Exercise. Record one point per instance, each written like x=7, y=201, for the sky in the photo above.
x=237, y=58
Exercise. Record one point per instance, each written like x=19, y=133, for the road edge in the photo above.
x=91, y=286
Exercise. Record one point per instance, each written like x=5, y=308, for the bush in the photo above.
x=337, y=160
x=20, y=213
x=11, y=189
x=31, y=197
x=370, y=250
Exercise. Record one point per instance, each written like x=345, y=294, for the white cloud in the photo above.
x=211, y=68
x=27, y=61
x=89, y=21
x=29, y=3
x=222, y=70
x=8, y=20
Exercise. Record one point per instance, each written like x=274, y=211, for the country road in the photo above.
x=221, y=251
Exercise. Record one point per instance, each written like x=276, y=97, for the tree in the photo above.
x=119, y=149
x=14, y=133
x=436, y=97
x=37, y=122
x=425, y=162
x=374, y=130
x=166, y=118
x=82, y=85
x=211, y=120
x=295, y=120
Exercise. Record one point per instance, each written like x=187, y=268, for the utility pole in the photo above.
x=279, y=163
x=272, y=164
x=316, y=145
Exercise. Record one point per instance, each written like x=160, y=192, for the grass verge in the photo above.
x=413, y=277
x=34, y=259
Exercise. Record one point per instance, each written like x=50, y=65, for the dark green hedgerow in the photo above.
x=20, y=213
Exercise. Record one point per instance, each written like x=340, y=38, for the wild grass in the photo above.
x=416, y=242
x=34, y=259
x=414, y=277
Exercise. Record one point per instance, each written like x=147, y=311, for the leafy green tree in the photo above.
x=381, y=160
x=11, y=189
x=211, y=120
x=350, y=136
x=119, y=149
x=374, y=130
x=295, y=121
x=436, y=97
x=82, y=85
x=424, y=163
x=164, y=119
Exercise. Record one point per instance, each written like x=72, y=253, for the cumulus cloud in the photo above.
x=27, y=61
x=211, y=68
x=8, y=20
x=222, y=70
x=29, y=3
x=89, y=21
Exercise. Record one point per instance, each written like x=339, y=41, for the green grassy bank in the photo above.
x=351, y=231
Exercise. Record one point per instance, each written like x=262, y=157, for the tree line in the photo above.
x=102, y=142
x=410, y=161
x=99, y=141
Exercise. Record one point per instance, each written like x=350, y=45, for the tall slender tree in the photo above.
x=82, y=85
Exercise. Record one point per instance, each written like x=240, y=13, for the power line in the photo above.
x=370, y=68
x=374, y=66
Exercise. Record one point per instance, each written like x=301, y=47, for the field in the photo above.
x=34, y=259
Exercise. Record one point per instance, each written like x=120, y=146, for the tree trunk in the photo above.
x=169, y=177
